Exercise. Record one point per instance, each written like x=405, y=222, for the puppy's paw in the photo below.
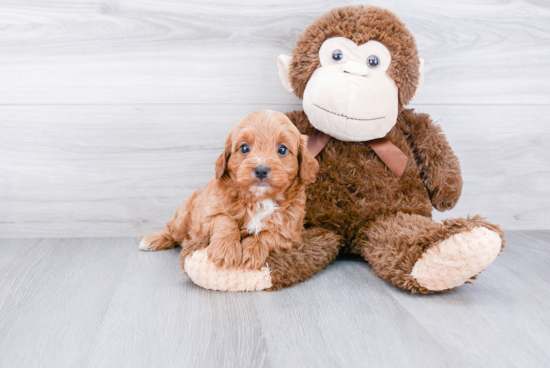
x=225, y=252
x=254, y=253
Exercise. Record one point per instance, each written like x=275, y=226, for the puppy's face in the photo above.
x=265, y=153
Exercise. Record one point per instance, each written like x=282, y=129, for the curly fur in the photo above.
x=237, y=222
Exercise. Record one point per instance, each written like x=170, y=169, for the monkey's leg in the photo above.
x=319, y=249
x=284, y=269
x=415, y=253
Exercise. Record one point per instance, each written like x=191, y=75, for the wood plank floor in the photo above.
x=102, y=303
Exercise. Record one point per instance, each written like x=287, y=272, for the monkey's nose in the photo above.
x=355, y=68
x=261, y=172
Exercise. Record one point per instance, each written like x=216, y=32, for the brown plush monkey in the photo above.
x=382, y=166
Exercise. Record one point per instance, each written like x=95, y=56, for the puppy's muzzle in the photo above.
x=261, y=172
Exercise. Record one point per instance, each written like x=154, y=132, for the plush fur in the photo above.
x=239, y=217
x=316, y=252
x=357, y=205
x=359, y=24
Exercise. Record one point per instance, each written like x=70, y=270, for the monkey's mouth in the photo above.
x=347, y=117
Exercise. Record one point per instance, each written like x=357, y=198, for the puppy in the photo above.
x=256, y=203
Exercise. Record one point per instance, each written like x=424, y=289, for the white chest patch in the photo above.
x=264, y=209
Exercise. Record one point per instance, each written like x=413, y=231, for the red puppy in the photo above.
x=255, y=204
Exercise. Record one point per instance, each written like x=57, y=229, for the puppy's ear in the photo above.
x=221, y=162
x=308, y=164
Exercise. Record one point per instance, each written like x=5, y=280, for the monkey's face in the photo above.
x=350, y=97
x=353, y=91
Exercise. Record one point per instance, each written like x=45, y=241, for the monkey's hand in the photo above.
x=439, y=167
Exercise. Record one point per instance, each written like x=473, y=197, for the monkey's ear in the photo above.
x=283, y=62
x=308, y=164
x=221, y=161
x=420, y=77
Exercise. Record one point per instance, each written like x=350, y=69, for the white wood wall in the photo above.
x=112, y=112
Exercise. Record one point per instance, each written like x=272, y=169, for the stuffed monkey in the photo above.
x=383, y=167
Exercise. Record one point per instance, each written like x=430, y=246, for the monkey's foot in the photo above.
x=205, y=273
x=457, y=259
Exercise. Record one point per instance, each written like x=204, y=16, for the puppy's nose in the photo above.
x=261, y=172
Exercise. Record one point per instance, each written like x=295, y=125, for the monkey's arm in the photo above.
x=439, y=166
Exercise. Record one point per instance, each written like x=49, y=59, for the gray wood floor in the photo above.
x=102, y=303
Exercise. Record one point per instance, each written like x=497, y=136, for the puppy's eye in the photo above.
x=245, y=148
x=282, y=150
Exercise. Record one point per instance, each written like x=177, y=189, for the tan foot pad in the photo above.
x=455, y=260
x=206, y=274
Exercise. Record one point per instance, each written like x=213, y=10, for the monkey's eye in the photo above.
x=373, y=61
x=282, y=150
x=245, y=148
x=337, y=55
